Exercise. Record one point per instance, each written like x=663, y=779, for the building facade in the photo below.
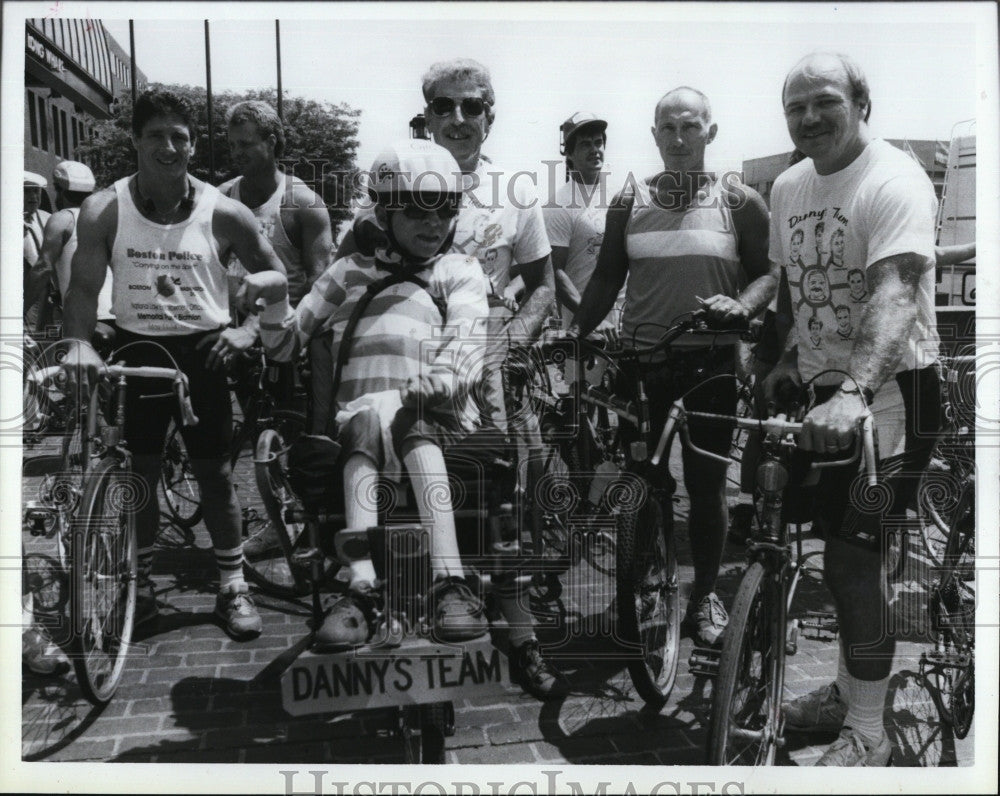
x=73, y=69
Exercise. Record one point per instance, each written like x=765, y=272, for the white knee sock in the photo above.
x=866, y=706
x=425, y=465
x=359, y=511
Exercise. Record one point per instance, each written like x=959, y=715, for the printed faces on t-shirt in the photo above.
x=826, y=273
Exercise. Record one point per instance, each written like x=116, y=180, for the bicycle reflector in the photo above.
x=772, y=476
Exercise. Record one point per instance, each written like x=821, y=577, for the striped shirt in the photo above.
x=674, y=256
x=402, y=333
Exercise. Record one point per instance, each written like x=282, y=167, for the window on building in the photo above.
x=32, y=119
x=64, y=127
x=57, y=139
x=43, y=123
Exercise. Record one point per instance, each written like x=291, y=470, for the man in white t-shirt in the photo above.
x=501, y=225
x=881, y=205
x=574, y=217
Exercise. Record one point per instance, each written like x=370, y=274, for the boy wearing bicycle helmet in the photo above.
x=402, y=392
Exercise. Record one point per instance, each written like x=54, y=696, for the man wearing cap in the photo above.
x=73, y=182
x=686, y=240
x=34, y=228
x=574, y=217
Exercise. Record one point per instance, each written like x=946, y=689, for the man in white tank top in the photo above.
x=686, y=241
x=290, y=214
x=166, y=236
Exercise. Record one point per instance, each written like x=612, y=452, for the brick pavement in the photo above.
x=192, y=695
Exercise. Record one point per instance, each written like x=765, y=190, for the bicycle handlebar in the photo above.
x=780, y=426
x=179, y=379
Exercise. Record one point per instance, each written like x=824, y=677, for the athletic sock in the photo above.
x=866, y=707
x=426, y=468
x=230, y=563
x=521, y=625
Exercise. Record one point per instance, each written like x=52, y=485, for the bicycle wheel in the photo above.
x=939, y=508
x=177, y=483
x=271, y=541
x=103, y=579
x=648, y=602
x=746, y=697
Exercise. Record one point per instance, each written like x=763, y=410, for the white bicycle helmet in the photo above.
x=415, y=167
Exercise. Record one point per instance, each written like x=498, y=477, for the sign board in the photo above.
x=416, y=673
x=969, y=288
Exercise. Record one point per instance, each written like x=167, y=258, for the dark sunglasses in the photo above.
x=417, y=212
x=471, y=106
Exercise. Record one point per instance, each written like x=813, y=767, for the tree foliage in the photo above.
x=320, y=143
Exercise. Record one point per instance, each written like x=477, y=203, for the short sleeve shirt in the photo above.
x=827, y=230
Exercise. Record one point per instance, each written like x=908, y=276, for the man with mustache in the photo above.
x=887, y=208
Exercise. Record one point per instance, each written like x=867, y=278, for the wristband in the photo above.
x=865, y=392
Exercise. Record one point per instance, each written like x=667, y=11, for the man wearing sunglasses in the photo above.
x=501, y=225
x=686, y=240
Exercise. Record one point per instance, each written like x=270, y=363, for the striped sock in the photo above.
x=230, y=563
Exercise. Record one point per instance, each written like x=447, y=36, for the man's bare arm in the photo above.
x=236, y=229
x=888, y=318
x=94, y=233
x=539, y=291
x=317, y=236
x=566, y=292
x=57, y=232
x=609, y=273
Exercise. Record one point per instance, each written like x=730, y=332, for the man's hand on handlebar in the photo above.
x=81, y=365
x=725, y=311
x=831, y=426
x=226, y=343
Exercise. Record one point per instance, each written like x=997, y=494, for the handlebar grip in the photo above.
x=188, y=417
x=871, y=457
x=666, y=435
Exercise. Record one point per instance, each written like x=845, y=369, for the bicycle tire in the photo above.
x=177, y=484
x=104, y=555
x=272, y=569
x=645, y=590
x=937, y=517
x=751, y=665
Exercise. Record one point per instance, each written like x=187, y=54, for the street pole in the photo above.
x=211, y=123
x=277, y=45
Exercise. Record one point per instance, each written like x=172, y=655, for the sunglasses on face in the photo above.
x=417, y=212
x=471, y=106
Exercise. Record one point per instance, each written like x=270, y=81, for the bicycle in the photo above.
x=951, y=609
x=101, y=530
x=644, y=549
x=254, y=410
x=746, y=723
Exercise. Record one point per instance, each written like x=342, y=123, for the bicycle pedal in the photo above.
x=819, y=626
x=306, y=557
x=704, y=662
x=38, y=518
x=946, y=660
